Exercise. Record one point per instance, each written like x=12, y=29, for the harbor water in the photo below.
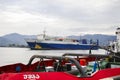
x=22, y=55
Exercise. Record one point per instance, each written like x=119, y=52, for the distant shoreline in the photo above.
x=19, y=46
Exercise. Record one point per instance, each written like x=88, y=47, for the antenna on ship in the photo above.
x=44, y=32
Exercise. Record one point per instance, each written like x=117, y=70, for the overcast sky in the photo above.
x=59, y=17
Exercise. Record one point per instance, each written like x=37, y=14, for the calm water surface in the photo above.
x=22, y=55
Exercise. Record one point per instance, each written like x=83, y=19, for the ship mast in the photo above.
x=44, y=33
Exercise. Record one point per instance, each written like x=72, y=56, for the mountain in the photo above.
x=14, y=39
x=5, y=42
x=18, y=39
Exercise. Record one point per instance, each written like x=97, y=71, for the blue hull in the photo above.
x=50, y=46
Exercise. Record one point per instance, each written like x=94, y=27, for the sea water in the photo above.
x=10, y=55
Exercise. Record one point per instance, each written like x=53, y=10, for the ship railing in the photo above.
x=72, y=60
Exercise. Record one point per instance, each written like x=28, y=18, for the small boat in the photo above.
x=55, y=43
x=57, y=68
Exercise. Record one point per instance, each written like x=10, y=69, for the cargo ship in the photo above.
x=44, y=42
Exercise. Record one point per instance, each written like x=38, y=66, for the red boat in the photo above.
x=54, y=68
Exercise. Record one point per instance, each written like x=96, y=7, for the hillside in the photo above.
x=15, y=39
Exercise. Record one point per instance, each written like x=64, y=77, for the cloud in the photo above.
x=62, y=17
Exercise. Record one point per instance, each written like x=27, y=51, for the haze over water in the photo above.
x=22, y=55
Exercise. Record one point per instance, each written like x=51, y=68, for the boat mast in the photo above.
x=44, y=33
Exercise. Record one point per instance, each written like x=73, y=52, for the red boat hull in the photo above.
x=59, y=75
